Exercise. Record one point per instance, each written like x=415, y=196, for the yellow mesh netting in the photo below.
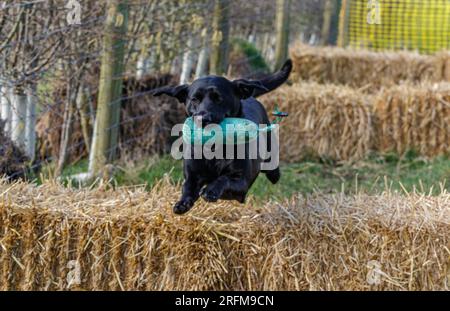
x=422, y=25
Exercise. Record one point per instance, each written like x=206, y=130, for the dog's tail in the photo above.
x=275, y=80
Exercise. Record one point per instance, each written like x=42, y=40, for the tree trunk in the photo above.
x=110, y=89
x=66, y=132
x=188, y=62
x=150, y=63
x=19, y=112
x=343, y=23
x=141, y=64
x=266, y=46
x=83, y=112
x=5, y=109
x=143, y=60
x=202, y=63
x=203, y=57
x=312, y=39
x=327, y=12
x=174, y=66
x=282, y=38
x=220, y=41
x=30, y=127
x=252, y=35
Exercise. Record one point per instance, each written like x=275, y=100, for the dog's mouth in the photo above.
x=205, y=120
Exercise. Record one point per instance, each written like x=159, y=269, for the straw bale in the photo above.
x=128, y=239
x=327, y=121
x=345, y=124
x=413, y=118
x=364, y=69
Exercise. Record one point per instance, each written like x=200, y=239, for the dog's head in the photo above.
x=211, y=99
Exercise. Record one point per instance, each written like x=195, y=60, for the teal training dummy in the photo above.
x=229, y=131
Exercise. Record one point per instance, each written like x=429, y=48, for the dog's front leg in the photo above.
x=224, y=184
x=191, y=193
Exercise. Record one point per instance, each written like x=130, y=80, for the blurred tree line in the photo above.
x=42, y=55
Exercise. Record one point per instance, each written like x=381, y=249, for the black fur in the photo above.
x=212, y=99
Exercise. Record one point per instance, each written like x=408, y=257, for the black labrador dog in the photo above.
x=212, y=99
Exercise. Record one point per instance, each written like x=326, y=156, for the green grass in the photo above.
x=151, y=171
x=373, y=175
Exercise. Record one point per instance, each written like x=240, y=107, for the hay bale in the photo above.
x=364, y=69
x=413, y=117
x=129, y=239
x=344, y=124
x=328, y=121
x=14, y=164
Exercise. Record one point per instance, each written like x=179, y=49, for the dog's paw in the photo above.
x=182, y=207
x=210, y=195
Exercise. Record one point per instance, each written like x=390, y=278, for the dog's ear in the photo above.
x=246, y=88
x=179, y=92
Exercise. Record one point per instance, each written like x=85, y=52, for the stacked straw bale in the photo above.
x=324, y=120
x=345, y=124
x=413, y=118
x=367, y=70
x=128, y=239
